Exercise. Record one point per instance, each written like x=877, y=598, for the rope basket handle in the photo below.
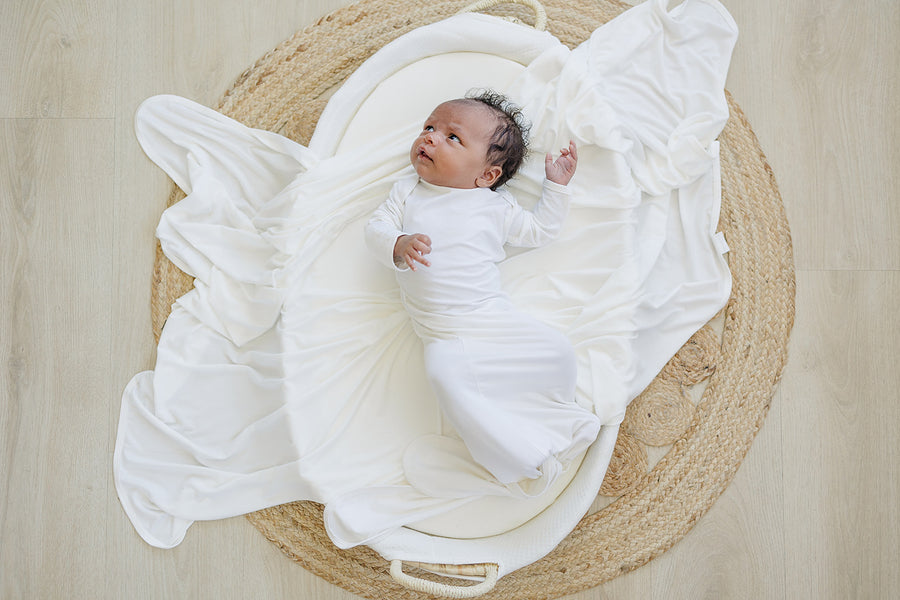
x=540, y=15
x=489, y=571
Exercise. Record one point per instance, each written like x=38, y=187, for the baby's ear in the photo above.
x=490, y=176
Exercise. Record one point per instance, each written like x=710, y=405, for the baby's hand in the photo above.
x=411, y=249
x=563, y=168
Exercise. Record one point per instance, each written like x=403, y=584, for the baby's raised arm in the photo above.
x=561, y=170
x=536, y=227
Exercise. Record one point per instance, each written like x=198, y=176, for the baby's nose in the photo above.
x=430, y=137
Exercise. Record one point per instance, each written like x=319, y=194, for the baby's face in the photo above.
x=452, y=149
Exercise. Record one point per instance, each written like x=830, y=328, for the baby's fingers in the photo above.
x=422, y=243
x=411, y=261
x=570, y=153
x=420, y=247
x=419, y=256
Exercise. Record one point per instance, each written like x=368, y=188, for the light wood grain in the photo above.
x=57, y=58
x=813, y=511
x=55, y=353
x=819, y=82
x=841, y=396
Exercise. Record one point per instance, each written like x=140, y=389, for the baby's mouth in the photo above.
x=423, y=154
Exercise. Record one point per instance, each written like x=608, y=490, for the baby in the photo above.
x=505, y=381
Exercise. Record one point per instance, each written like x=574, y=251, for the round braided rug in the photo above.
x=285, y=92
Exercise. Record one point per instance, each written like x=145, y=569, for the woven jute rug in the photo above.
x=648, y=507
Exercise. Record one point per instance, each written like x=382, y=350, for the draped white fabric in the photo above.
x=291, y=371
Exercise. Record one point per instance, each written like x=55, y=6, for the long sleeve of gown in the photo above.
x=386, y=225
x=532, y=228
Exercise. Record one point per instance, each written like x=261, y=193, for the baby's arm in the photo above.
x=541, y=225
x=385, y=238
x=561, y=170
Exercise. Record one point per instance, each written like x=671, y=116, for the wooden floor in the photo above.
x=814, y=511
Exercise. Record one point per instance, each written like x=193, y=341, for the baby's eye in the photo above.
x=428, y=128
x=453, y=137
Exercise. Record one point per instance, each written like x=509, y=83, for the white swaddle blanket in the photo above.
x=286, y=374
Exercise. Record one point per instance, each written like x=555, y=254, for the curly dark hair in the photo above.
x=509, y=143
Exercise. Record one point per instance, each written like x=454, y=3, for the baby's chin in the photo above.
x=420, y=172
x=428, y=177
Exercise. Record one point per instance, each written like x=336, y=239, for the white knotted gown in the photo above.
x=292, y=369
